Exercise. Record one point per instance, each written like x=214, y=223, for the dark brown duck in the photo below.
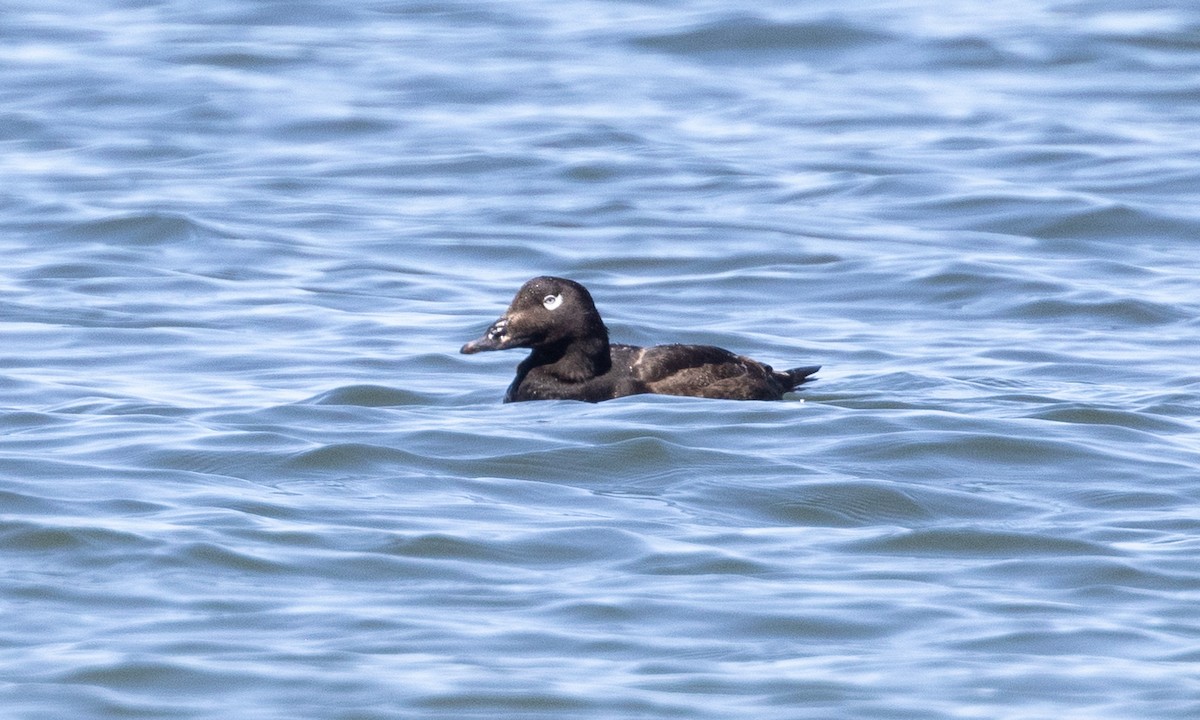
x=572, y=359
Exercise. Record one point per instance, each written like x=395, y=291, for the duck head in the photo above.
x=547, y=312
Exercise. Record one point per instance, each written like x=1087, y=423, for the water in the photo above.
x=244, y=472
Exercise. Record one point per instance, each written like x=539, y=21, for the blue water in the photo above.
x=244, y=472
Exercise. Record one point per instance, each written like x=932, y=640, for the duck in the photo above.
x=571, y=357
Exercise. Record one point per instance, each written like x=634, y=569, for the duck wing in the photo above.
x=710, y=372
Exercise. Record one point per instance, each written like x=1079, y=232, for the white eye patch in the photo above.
x=552, y=301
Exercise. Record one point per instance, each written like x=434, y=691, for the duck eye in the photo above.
x=552, y=301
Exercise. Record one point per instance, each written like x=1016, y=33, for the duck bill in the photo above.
x=496, y=338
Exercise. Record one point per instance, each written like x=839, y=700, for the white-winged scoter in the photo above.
x=571, y=357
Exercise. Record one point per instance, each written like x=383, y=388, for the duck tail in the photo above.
x=799, y=376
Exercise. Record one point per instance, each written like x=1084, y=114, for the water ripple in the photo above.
x=242, y=464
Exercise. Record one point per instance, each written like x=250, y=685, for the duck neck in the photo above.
x=574, y=360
